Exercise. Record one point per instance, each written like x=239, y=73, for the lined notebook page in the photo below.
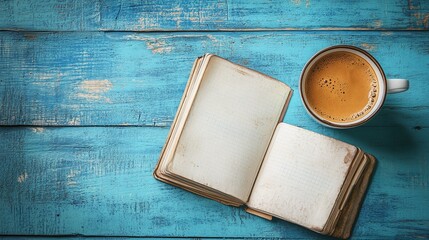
x=229, y=127
x=301, y=176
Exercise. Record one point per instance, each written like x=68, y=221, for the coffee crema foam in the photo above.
x=341, y=87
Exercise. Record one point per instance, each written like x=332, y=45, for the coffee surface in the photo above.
x=341, y=87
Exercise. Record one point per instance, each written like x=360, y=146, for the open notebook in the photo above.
x=227, y=143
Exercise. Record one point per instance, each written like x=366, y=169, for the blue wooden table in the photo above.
x=88, y=91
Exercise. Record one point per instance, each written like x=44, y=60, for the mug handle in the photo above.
x=397, y=85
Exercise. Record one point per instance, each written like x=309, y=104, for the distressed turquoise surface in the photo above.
x=98, y=181
x=88, y=90
x=136, y=85
x=237, y=15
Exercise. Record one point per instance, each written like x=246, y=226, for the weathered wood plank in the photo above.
x=98, y=181
x=75, y=15
x=138, y=78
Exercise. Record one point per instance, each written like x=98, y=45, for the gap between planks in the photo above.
x=127, y=237
x=420, y=127
x=84, y=126
x=226, y=30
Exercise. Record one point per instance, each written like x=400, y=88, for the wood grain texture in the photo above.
x=98, y=78
x=98, y=181
x=165, y=15
x=84, y=65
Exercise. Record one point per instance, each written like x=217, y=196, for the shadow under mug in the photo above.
x=385, y=86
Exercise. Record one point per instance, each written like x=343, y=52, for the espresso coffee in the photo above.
x=341, y=87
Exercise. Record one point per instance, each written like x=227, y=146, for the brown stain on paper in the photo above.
x=242, y=72
x=351, y=153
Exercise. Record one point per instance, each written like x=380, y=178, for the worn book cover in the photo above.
x=228, y=143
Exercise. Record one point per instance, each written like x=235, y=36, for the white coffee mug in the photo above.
x=385, y=86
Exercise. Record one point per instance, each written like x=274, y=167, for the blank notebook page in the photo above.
x=228, y=129
x=301, y=176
